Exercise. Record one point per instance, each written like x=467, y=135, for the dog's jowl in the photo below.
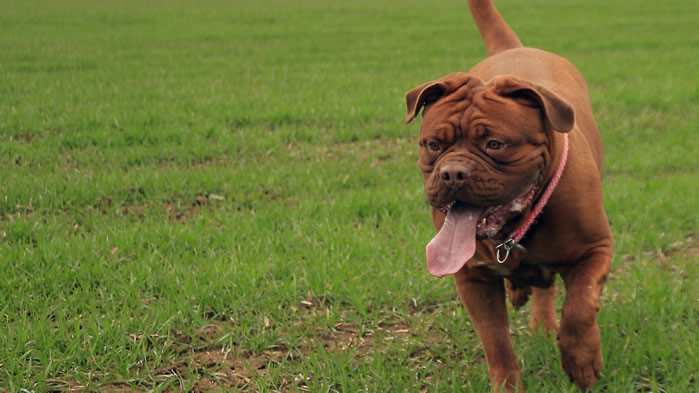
x=511, y=160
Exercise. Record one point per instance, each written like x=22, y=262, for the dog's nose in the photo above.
x=454, y=175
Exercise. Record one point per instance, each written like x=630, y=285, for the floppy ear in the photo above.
x=560, y=115
x=430, y=92
x=421, y=96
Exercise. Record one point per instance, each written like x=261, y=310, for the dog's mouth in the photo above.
x=495, y=217
x=455, y=243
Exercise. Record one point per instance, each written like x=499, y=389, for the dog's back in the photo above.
x=507, y=56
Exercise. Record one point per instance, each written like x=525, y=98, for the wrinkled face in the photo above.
x=484, y=150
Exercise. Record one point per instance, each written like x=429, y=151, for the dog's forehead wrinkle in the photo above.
x=490, y=96
x=477, y=123
x=444, y=128
x=458, y=100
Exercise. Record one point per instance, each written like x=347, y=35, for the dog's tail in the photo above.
x=497, y=34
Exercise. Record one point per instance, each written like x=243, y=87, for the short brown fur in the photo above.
x=531, y=97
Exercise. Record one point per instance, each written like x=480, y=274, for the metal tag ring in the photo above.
x=507, y=245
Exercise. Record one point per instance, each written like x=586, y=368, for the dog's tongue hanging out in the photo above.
x=455, y=243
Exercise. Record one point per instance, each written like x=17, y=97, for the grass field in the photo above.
x=222, y=195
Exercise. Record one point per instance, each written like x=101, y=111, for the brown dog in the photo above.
x=510, y=141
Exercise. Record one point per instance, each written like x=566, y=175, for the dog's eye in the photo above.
x=494, y=145
x=433, y=146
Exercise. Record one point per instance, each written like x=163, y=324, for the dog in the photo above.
x=512, y=164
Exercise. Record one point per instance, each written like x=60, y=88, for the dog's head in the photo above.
x=485, y=145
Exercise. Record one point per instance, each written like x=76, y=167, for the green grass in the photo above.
x=123, y=123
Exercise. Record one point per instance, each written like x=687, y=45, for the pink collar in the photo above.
x=513, y=240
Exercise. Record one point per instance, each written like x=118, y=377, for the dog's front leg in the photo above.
x=485, y=302
x=579, y=336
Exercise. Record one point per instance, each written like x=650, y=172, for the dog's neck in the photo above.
x=512, y=241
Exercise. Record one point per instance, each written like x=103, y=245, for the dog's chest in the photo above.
x=519, y=272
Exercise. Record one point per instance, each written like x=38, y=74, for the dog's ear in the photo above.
x=559, y=114
x=421, y=96
x=430, y=92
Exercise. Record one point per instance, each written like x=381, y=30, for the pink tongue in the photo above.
x=455, y=243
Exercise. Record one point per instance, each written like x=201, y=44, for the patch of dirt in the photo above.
x=684, y=249
x=218, y=366
x=175, y=210
x=23, y=136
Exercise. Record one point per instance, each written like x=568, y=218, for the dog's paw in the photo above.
x=581, y=354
